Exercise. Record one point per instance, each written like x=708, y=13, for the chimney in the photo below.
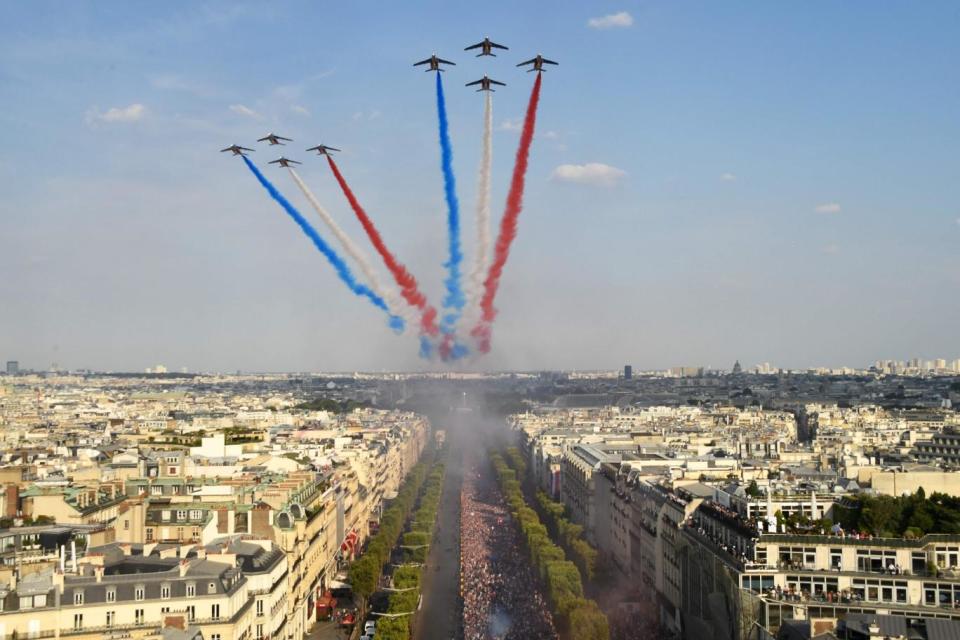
x=98, y=573
x=176, y=622
x=184, y=565
x=12, y=501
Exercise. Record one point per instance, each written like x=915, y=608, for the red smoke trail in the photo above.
x=508, y=225
x=407, y=283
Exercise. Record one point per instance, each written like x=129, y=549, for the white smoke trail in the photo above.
x=389, y=294
x=482, y=257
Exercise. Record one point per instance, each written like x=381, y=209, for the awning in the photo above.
x=336, y=584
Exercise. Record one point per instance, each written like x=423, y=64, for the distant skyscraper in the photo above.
x=627, y=372
x=13, y=367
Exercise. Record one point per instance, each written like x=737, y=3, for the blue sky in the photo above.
x=776, y=182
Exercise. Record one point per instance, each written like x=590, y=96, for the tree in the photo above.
x=363, y=576
x=753, y=489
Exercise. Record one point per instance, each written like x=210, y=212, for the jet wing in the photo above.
x=227, y=149
x=498, y=46
x=417, y=64
x=244, y=149
x=530, y=61
x=475, y=82
x=499, y=83
x=282, y=138
x=550, y=61
x=474, y=46
x=332, y=149
x=446, y=61
x=264, y=138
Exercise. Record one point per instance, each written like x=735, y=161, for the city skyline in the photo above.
x=707, y=184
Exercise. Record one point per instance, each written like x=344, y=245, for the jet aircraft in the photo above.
x=537, y=63
x=236, y=149
x=322, y=149
x=486, y=47
x=485, y=83
x=284, y=162
x=434, y=62
x=273, y=139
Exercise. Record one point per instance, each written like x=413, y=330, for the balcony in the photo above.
x=102, y=630
x=900, y=543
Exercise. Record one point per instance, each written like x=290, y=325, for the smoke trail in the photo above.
x=508, y=225
x=483, y=208
x=407, y=283
x=343, y=271
x=454, y=299
x=355, y=252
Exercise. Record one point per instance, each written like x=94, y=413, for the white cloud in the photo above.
x=373, y=114
x=828, y=207
x=515, y=124
x=244, y=110
x=131, y=113
x=728, y=177
x=595, y=174
x=300, y=109
x=613, y=21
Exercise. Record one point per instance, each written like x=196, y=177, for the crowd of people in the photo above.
x=502, y=599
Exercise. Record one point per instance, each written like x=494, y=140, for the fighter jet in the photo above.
x=485, y=47
x=322, y=149
x=284, y=162
x=236, y=149
x=537, y=63
x=434, y=62
x=273, y=139
x=485, y=83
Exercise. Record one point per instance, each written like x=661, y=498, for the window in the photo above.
x=149, y=534
x=77, y=596
x=138, y=617
x=172, y=471
x=875, y=560
x=181, y=515
x=165, y=516
x=196, y=514
x=78, y=621
x=918, y=562
x=836, y=558
x=111, y=595
x=191, y=589
x=259, y=635
x=111, y=618
x=212, y=587
x=215, y=611
x=165, y=591
x=164, y=610
x=126, y=525
x=214, y=636
x=138, y=592
x=259, y=607
x=191, y=613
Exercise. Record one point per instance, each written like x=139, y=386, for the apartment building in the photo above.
x=137, y=589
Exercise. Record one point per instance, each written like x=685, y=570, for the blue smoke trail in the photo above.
x=455, y=298
x=343, y=271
